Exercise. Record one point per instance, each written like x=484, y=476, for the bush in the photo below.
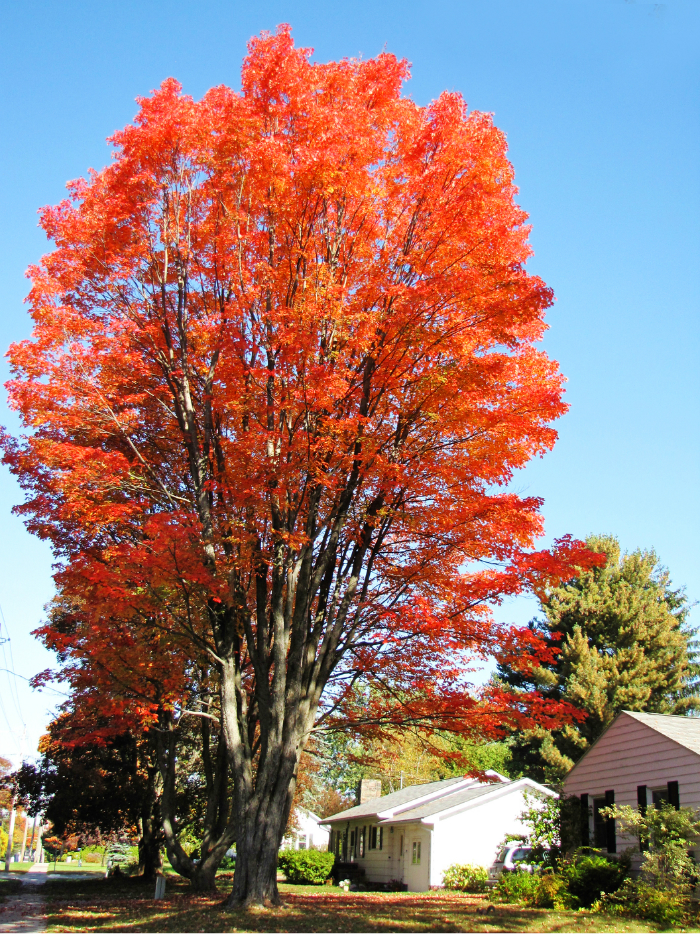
x=538, y=891
x=306, y=867
x=550, y=892
x=228, y=863
x=465, y=878
x=665, y=907
x=589, y=876
x=516, y=885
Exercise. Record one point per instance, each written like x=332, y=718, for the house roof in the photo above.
x=420, y=802
x=682, y=730
x=454, y=800
x=397, y=799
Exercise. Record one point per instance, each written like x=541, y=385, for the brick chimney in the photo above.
x=368, y=789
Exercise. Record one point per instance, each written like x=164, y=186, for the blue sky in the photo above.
x=600, y=102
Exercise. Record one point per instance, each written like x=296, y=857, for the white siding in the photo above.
x=631, y=754
x=307, y=832
x=475, y=834
x=379, y=865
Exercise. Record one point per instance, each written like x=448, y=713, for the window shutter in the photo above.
x=381, y=837
x=673, y=795
x=642, y=798
x=585, y=829
x=642, y=805
x=610, y=823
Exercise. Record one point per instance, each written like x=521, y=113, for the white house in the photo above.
x=307, y=833
x=414, y=835
x=641, y=759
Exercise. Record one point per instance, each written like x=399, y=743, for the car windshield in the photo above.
x=520, y=854
x=501, y=858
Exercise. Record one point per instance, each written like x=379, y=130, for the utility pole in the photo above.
x=11, y=832
x=31, y=842
x=37, y=851
x=24, y=837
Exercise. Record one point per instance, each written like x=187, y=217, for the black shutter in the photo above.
x=642, y=805
x=381, y=837
x=610, y=823
x=585, y=829
x=673, y=795
x=642, y=798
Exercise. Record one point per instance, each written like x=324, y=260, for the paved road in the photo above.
x=25, y=912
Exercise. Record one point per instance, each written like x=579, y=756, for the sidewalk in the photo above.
x=24, y=913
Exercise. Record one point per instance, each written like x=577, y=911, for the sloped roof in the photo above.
x=682, y=730
x=396, y=799
x=450, y=801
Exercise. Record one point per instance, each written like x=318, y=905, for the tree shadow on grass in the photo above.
x=113, y=906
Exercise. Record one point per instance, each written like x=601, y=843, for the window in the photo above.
x=659, y=796
x=373, y=838
x=362, y=841
x=415, y=859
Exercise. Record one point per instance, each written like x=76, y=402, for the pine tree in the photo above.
x=625, y=644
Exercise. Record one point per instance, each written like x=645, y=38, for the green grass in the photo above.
x=128, y=905
x=60, y=867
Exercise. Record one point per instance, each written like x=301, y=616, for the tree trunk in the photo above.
x=150, y=849
x=255, y=878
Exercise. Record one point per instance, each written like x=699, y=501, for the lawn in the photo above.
x=127, y=905
x=60, y=867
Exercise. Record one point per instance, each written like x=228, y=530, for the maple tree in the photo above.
x=281, y=373
x=88, y=786
x=121, y=675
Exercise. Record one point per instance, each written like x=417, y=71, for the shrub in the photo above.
x=465, y=878
x=516, y=885
x=539, y=891
x=550, y=892
x=588, y=876
x=665, y=907
x=228, y=863
x=306, y=867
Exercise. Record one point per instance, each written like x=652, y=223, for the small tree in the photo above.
x=554, y=825
x=662, y=892
x=666, y=835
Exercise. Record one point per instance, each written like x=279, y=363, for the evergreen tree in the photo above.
x=625, y=644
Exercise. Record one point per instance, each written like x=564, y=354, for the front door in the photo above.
x=416, y=861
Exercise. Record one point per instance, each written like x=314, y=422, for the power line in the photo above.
x=11, y=670
x=28, y=680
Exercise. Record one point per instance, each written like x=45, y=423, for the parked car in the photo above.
x=513, y=856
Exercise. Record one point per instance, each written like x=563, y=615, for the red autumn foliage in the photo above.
x=283, y=368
